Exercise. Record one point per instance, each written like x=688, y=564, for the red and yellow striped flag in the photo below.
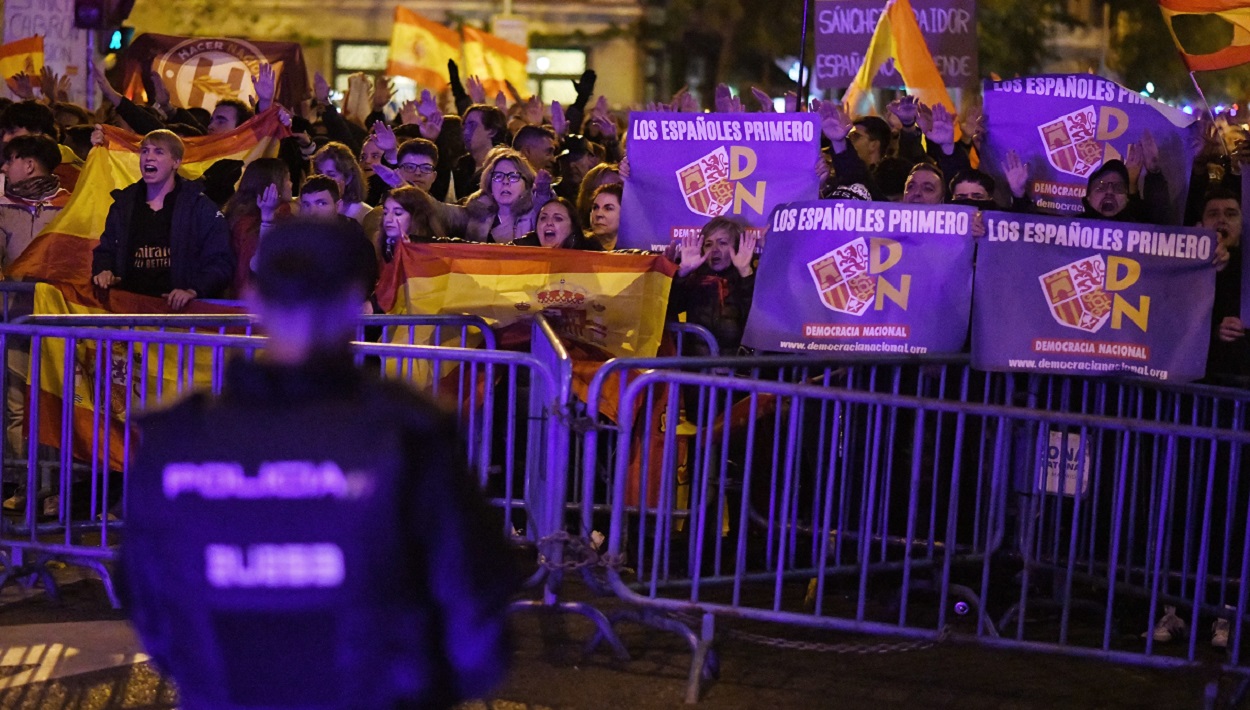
x=898, y=37
x=494, y=60
x=610, y=303
x=1236, y=12
x=62, y=252
x=420, y=49
x=23, y=55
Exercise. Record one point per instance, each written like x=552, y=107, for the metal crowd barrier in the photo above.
x=74, y=436
x=1058, y=514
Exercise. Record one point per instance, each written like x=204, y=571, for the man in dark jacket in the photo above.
x=311, y=538
x=163, y=237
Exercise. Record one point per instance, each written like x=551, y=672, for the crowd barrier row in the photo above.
x=708, y=495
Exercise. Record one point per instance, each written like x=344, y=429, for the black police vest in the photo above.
x=270, y=558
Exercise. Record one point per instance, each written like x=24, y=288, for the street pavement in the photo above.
x=81, y=653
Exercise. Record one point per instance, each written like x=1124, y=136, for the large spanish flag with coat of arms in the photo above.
x=613, y=303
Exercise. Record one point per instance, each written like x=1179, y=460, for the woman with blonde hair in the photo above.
x=506, y=204
x=335, y=161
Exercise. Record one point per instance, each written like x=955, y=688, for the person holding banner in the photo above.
x=163, y=236
x=558, y=227
x=716, y=281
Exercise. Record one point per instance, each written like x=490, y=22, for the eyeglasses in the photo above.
x=422, y=169
x=508, y=178
x=1117, y=188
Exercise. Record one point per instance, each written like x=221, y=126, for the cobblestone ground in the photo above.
x=551, y=670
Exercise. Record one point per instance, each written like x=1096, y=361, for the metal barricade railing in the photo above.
x=85, y=383
x=801, y=494
x=445, y=330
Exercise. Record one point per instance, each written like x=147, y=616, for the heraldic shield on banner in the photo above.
x=706, y=185
x=1070, y=142
x=1077, y=294
x=842, y=278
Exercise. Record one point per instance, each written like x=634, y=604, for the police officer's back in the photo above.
x=309, y=538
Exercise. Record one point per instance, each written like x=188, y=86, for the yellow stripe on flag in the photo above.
x=1235, y=12
x=420, y=49
x=21, y=55
x=898, y=37
x=495, y=60
x=613, y=303
x=141, y=375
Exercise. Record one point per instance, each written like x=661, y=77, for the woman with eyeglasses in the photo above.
x=505, y=207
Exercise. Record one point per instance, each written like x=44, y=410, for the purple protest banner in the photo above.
x=687, y=168
x=844, y=29
x=863, y=277
x=1064, y=126
x=1088, y=297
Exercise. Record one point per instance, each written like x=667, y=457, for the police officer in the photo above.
x=310, y=538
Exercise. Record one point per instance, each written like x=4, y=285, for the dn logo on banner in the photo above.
x=847, y=277
x=1074, y=142
x=1081, y=295
x=712, y=185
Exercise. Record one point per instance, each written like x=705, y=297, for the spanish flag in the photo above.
x=608, y=304
x=898, y=37
x=494, y=60
x=23, y=55
x=62, y=252
x=1236, y=12
x=420, y=49
x=105, y=382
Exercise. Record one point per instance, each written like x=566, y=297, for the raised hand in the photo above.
x=1017, y=173
x=160, y=92
x=905, y=109
x=384, y=135
x=268, y=202
x=501, y=101
x=586, y=87
x=834, y=123
x=766, y=101
x=532, y=111
x=792, y=102
x=387, y=175
x=542, y=192
x=20, y=85
x=477, y=92
x=600, y=116
x=408, y=114
x=942, y=129
x=432, y=126
x=265, y=83
x=726, y=102
x=690, y=255
x=559, y=123
x=745, y=253
x=383, y=92
x=321, y=89
x=1149, y=151
x=101, y=81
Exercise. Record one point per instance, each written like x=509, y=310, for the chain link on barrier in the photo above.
x=579, y=552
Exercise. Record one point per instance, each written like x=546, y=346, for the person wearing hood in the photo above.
x=163, y=236
x=1117, y=190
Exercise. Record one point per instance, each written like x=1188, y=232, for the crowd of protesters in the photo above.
x=514, y=171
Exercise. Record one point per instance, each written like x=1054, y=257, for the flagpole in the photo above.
x=1203, y=96
x=803, y=73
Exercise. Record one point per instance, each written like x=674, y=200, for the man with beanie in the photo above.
x=310, y=538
